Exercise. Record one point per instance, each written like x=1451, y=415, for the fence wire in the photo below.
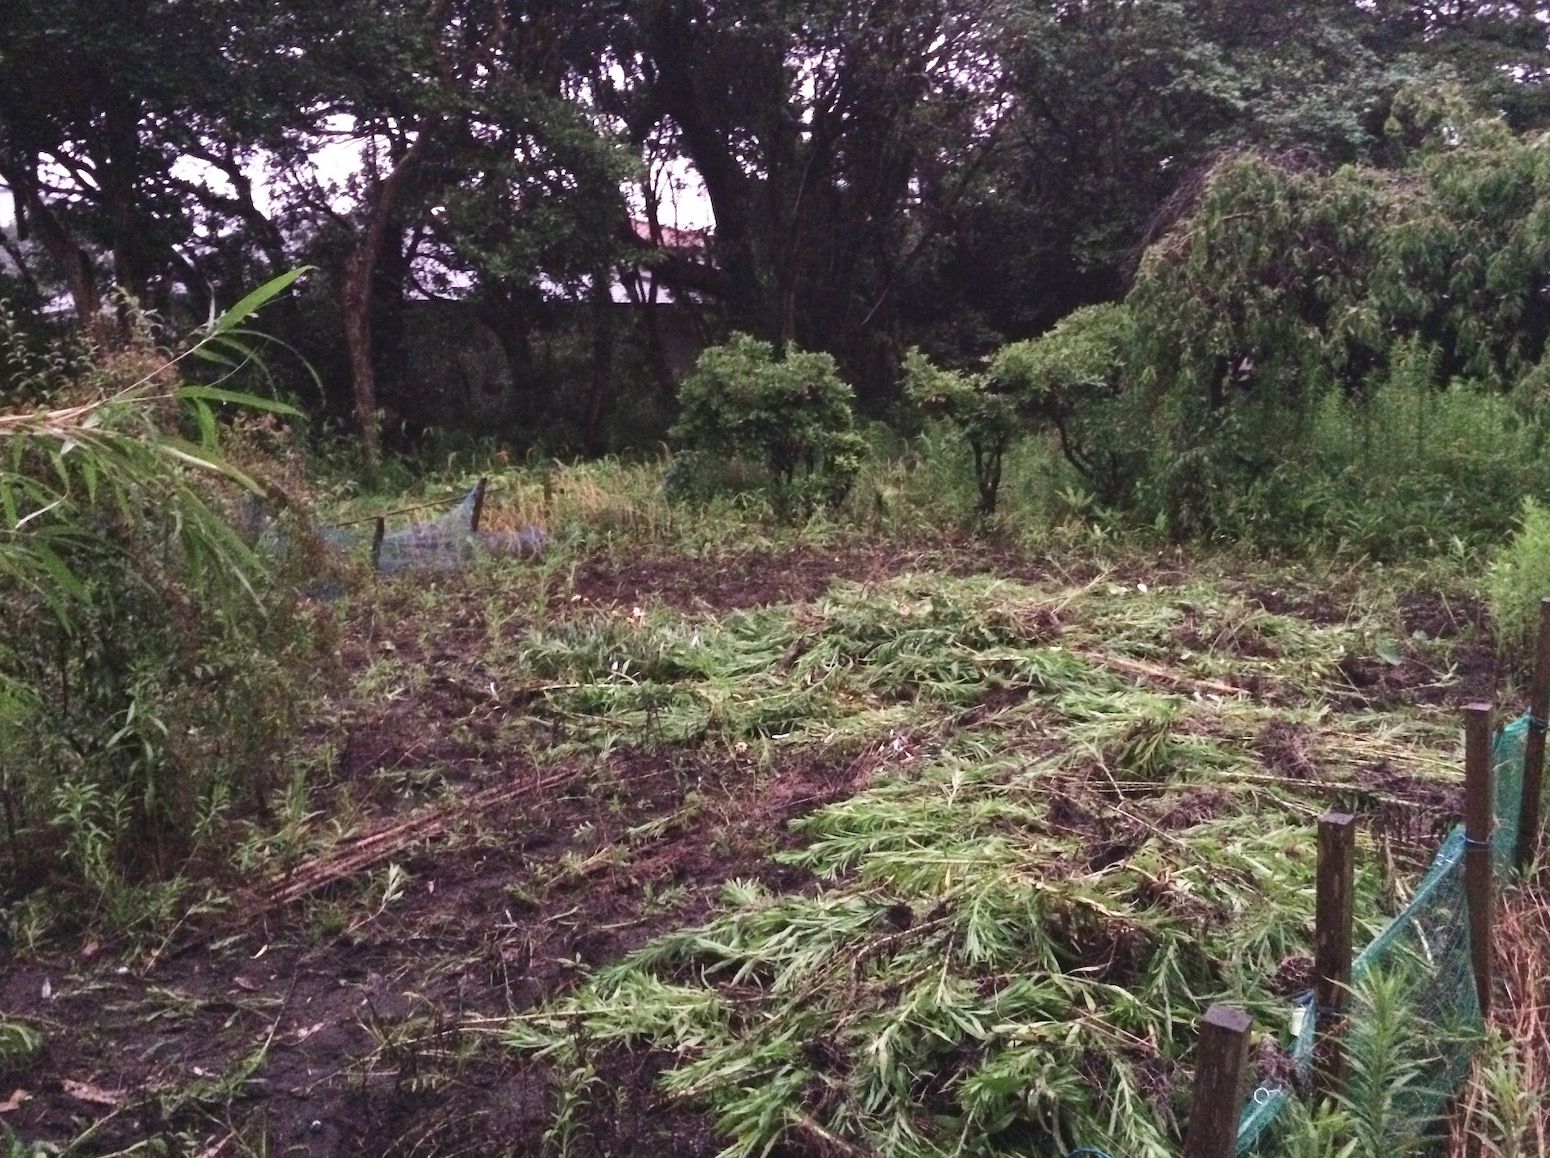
x=448, y=542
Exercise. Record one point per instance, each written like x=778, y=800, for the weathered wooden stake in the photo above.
x=473, y=519
x=1479, y=792
x=378, y=531
x=1334, y=929
x=1534, y=750
x=1217, y=1100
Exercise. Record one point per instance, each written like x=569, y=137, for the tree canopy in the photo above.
x=933, y=173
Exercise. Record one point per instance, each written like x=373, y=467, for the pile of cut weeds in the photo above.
x=1092, y=816
x=910, y=857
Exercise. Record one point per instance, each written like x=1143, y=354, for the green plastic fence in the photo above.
x=1425, y=951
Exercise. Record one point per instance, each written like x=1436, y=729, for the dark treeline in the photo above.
x=944, y=174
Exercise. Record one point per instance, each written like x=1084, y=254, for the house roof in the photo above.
x=692, y=240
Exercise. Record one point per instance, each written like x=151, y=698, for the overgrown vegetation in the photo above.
x=1518, y=581
x=158, y=683
x=985, y=417
x=826, y=784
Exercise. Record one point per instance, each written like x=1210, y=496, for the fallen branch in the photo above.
x=372, y=849
x=365, y=852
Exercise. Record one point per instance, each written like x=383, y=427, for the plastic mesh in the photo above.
x=1422, y=955
x=445, y=543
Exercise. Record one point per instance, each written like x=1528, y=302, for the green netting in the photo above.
x=1423, y=958
x=447, y=542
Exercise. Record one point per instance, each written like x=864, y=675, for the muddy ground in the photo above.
x=334, y=1012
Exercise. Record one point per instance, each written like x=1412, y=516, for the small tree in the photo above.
x=986, y=418
x=792, y=416
x=1073, y=380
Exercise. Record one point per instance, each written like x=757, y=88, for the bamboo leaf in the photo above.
x=254, y=301
x=236, y=398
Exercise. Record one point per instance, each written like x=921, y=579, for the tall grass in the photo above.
x=1518, y=579
x=151, y=669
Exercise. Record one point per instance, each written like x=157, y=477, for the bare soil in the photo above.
x=335, y=1023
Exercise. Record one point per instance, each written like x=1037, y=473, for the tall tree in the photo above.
x=475, y=167
x=808, y=124
x=101, y=100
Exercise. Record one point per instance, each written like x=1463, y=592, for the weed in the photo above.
x=163, y=673
x=20, y=1046
x=1017, y=928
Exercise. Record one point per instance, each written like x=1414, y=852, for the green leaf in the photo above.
x=260, y=297
x=236, y=398
x=197, y=456
x=205, y=417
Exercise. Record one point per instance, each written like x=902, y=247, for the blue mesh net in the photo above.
x=447, y=542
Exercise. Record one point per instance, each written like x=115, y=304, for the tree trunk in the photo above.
x=355, y=310
x=602, y=310
x=360, y=269
x=61, y=246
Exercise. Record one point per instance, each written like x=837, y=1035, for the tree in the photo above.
x=1285, y=284
x=986, y=417
x=811, y=126
x=476, y=168
x=1079, y=379
x=90, y=144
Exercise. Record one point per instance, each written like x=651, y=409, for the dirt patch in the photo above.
x=360, y=999
x=1282, y=745
x=357, y=1017
x=732, y=581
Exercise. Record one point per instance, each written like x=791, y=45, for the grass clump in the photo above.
x=1518, y=579
x=1061, y=859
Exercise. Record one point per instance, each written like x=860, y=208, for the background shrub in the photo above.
x=793, y=417
x=1075, y=381
x=986, y=418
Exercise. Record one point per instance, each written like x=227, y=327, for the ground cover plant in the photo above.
x=700, y=833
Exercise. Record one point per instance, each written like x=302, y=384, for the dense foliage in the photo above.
x=159, y=680
x=790, y=415
x=1297, y=318
x=953, y=176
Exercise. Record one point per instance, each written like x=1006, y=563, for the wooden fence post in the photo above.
x=378, y=532
x=478, y=513
x=1333, y=941
x=1217, y=1100
x=1479, y=800
x=1534, y=750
